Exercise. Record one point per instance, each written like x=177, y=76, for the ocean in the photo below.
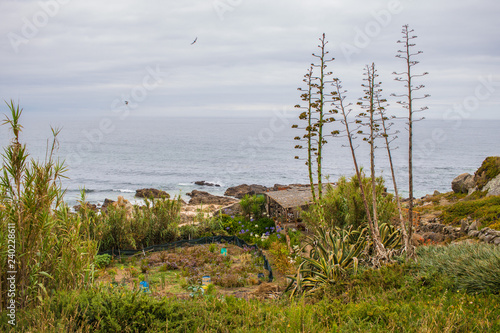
x=111, y=156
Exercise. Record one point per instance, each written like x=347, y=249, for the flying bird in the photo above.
x=194, y=40
x=126, y=102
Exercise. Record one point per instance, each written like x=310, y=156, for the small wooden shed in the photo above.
x=288, y=203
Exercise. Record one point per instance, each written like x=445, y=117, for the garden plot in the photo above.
x=179, y=272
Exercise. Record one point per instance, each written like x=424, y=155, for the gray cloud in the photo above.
x=70, y=56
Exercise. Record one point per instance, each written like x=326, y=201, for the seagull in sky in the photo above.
x=126, y=102
x=194, y=40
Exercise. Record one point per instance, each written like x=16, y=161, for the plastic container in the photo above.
x=205, y=281
x=144, y=286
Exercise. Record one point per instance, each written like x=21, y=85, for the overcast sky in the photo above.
x=76, y=57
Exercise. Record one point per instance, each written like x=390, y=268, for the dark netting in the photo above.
x=205, y=240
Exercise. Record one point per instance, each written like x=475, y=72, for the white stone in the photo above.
x=493, y=186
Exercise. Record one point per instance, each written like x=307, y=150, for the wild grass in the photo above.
x=474, y=268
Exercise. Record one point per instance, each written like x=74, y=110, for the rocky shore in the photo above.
x=467, y=189
x=485, y=182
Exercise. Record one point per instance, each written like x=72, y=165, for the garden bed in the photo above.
x=178, y=272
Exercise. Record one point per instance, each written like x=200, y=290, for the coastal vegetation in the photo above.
x=406, y=297
x=489, y=169
x=353, y=266
x=485, y=210
x=343, y=204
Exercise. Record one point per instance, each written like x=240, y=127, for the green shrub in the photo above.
x=118, y=229
x=343, y=205
x=295, y=237
x=102, y=261
x=159, y=220
x=253, y=206
x=189, y=231
x=211, y=226
x=252, y=231
x=144, y=265
x=487, y=210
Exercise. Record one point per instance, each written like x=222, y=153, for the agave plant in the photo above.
x=389, y=235
x=334, y=254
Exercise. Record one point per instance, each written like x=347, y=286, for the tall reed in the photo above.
x=49, y=252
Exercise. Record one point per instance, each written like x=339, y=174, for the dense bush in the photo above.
x=260, y=231
x=117, y=228
x=253, y=205
x=343, y=204
x=102, y=261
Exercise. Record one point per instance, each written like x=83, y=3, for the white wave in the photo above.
x=124, y=191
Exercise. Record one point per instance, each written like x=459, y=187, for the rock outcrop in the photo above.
x=107, y=202
x=87, y=205
x=205, y=198
x=463, y=183
x=486, y=178
x=151, y=193
x=493, y=186
x=120, y=203
x=205, y=183
x=437, y=232
x=489, y=170
x=485, y=235
x=241, y=190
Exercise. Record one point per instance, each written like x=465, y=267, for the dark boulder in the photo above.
x=151, y=193
x=87, y=205
x=463, y=183
x=433, y=237
x=204, y=183
x=205, y=198
x=107, y=202
x=241, y=190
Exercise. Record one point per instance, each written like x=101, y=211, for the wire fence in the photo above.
x=200, y=241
